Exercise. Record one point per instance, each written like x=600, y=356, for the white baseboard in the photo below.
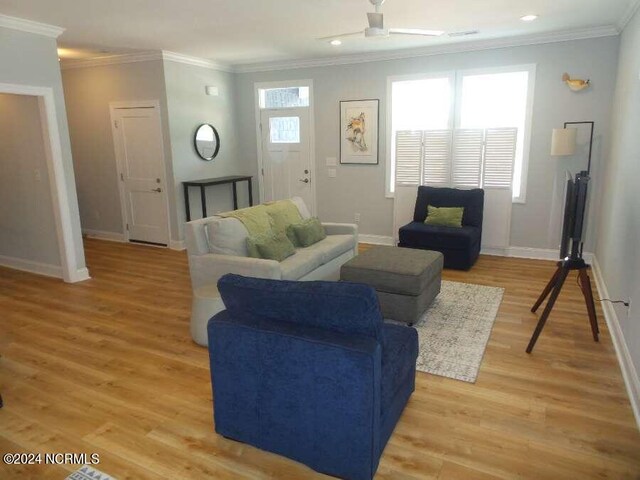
x=629, y=372
x=80, y=275
x=103, y=235
x=177, y=245
x=375, y=239
x=529, y=252
x=31, y=266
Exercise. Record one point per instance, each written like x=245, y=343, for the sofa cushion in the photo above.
x=227, y=236
x=419, y=235
x=398, y=360
x=472, y=201
x=333, y=246
x=302, y=208
x=283, y=213
x=304, y=261
x=347, y=308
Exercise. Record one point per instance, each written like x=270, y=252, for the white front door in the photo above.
x=286, y=155
x=140, y=155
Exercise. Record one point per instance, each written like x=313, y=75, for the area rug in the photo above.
x=454, y=331
x=89, y=473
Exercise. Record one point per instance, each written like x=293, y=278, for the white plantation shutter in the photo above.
x=408, y=157
x=499, y=154
x=436, y=161
x=464, y=158
x=467, y=157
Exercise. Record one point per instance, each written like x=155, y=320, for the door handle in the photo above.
x=157, y=190
x=304, y=180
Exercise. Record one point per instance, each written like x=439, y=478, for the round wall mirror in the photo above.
x=206, y=141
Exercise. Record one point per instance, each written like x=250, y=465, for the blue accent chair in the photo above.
x=460, y=246
x=308, y=370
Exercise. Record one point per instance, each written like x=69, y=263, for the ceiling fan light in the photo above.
x=529, y=18
x=336, y=42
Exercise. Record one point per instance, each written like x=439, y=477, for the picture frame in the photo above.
x=359, y=132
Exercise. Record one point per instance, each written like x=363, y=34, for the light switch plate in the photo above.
x=331, y=161
x=332, y=172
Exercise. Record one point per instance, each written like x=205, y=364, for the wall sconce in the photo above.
x=575, y=84
x=211, y=90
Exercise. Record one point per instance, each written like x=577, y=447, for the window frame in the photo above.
x=457, y=76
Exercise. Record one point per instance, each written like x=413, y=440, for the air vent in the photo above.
x=464, y=34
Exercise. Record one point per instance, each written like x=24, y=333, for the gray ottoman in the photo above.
x=406, y=280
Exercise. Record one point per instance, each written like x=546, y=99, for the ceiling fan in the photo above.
x=376, y=27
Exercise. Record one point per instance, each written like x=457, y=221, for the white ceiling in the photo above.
x=252, y=31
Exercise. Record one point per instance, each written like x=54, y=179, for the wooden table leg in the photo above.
x=235, y=195
x=186, y=202
x=250, y=193
x=203, y=199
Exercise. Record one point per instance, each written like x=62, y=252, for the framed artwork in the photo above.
x=359, y=132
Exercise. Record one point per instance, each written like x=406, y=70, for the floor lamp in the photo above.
x=563, y=143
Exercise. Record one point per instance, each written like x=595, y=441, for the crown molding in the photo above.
x=196, y=61
x=70, y=64
x=631, y=10
x=460, y=47
x=30, y=26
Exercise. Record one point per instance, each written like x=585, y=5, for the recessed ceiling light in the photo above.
x=529, y=18
x=336, y=42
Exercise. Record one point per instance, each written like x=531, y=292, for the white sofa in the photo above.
x=217, y=246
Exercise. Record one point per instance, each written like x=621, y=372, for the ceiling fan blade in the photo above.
x=375, y=20
x=342, y=35
x=416, y=31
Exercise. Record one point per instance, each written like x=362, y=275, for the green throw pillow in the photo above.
x=444, y=216
x=291, y=235
x=270, y=246
x=308, y=232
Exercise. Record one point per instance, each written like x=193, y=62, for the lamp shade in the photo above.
x=563, y=141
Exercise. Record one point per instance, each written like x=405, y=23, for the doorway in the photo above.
x=61, y=193
x=285, y=141
x=137, y=136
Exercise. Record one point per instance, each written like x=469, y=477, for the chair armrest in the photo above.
x=207, y=269
x=341, y=229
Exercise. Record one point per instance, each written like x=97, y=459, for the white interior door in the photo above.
x=140, y=155
x=286, y=155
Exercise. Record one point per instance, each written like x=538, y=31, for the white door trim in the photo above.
x=113, y=106
x=71, y=270
x=312, y=133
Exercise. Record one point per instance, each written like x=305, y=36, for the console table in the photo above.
x=207, y=182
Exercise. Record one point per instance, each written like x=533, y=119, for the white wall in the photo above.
x=361, y=188
x=27, y=226
x=29, y=59
x=88, y=92
x=618, y=245
x=188, y=107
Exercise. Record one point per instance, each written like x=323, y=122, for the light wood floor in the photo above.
x=108, y=366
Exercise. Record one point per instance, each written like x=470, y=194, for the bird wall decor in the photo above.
x=575, y=84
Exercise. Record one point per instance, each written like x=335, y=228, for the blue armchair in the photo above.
x=308, y=370
x=460, y=246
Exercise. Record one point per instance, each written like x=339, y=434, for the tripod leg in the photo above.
x=585, y=285
x=546, y=290
x=562, y=276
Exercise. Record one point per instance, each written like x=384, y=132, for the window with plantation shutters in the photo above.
x=499, y=153
x=462, y=158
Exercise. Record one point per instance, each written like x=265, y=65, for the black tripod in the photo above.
x=555, y=285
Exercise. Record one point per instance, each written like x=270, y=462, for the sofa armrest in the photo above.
x=207, y=269
x=341, y=229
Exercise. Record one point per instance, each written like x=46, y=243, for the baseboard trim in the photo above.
x=31, y=266
x=104, y=235
x=529, y=252
x=629, y=372
x=375, y=239
x=80, y=275
x=177, y=245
